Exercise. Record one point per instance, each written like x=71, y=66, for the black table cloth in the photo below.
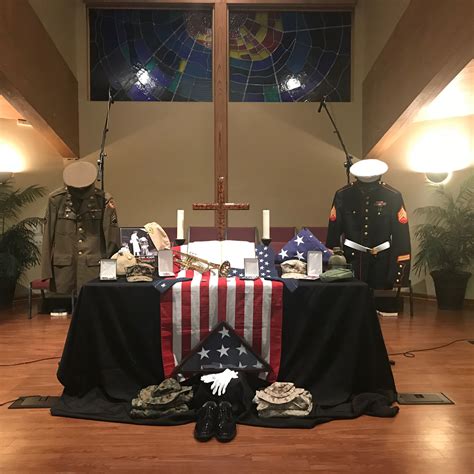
x=332, y=345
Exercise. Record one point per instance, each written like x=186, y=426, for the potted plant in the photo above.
x=446, y=243
x=18, y=249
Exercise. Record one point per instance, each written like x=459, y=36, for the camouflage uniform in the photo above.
x=155, y=401
x=80, y=228
x=283, y=399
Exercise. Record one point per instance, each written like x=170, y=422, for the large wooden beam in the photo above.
x=430, y=45
x=288, y=4
x=35, y=79
x=221, y=96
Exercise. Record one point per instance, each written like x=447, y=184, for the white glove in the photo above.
x=220, y=381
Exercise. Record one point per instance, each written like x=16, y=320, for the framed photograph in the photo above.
x=138, y=242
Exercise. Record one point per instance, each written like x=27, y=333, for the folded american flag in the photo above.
x=299, y=245
x=222, y=349
x=191, y=309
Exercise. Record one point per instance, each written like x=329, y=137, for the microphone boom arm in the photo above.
x=349, y=157
x=103, y=154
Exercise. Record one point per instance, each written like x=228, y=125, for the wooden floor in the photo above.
x=421, y=439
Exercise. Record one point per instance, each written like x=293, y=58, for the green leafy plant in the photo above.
x=446, y=238
x=18, y=249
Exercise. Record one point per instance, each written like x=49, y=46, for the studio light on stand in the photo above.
x=438, y=178
x=349, y=158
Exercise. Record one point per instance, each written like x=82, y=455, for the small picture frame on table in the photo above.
x=138, y=242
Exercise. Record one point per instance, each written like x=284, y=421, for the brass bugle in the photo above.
x=191, y=262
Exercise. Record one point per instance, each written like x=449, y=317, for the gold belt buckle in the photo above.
x=373, y=251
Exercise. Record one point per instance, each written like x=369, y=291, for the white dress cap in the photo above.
x=368, y=170
x=80, y=174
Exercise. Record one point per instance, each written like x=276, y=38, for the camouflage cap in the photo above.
x=293, y=269
x=140, y=272
x=280, y=392
x=163, y=394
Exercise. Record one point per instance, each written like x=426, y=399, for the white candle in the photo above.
x=180, y=224
x=266, y=224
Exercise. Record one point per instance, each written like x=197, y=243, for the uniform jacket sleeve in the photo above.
x=48, y=240
x=110, y=226
x=399, y=273
x=335, y=229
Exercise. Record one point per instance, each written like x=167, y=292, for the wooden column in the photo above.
x=431, y=44
x=35, y=79
x=221, y=98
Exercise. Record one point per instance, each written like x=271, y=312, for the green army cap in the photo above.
x=336, y=274
x=140, y=272
x=163, y=394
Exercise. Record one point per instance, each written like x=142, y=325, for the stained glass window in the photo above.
x=151, y=54
x=290, y=56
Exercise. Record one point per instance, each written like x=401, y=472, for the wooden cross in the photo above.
x=221, y=207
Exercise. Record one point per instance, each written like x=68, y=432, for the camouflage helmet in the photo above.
x=279, y=393
x=163, y=394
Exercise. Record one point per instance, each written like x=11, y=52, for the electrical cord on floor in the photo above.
x=29, y=362
x=6, y=403
x=411, y=354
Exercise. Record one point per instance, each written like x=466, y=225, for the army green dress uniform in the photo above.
x=80, y=229
x=372, y=218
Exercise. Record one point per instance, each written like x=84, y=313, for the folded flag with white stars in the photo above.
x=222, y=349
x=266, y=263
x=299, y=245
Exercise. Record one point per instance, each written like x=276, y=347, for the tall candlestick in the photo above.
x=266, y=224
x=180, y=224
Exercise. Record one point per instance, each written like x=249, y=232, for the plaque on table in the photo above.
x=314, y=266
x=165, y=263
x=108, y=269
x=251, y=269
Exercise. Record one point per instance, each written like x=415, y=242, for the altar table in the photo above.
x=332, y=344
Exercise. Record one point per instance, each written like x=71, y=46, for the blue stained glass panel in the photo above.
x=285, y=56
x=151, y=54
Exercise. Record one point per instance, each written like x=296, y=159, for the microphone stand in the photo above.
x=349, y=157
x=103, y=154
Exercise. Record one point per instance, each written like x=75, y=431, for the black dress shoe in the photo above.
x=225, y=426
x=206, y=422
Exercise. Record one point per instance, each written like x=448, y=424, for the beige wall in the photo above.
x=380, y=18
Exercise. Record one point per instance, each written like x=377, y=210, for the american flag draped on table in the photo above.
x=191, y=309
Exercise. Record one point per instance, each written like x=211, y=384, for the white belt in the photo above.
x=363, y=248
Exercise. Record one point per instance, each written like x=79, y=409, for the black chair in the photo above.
x=43, y=286
x=171, y=232
x=280, y=236
x=320, y=233
x=199, y=234
x=248, y=234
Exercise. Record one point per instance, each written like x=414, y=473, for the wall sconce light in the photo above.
x=438, y=178
x=5, y=175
